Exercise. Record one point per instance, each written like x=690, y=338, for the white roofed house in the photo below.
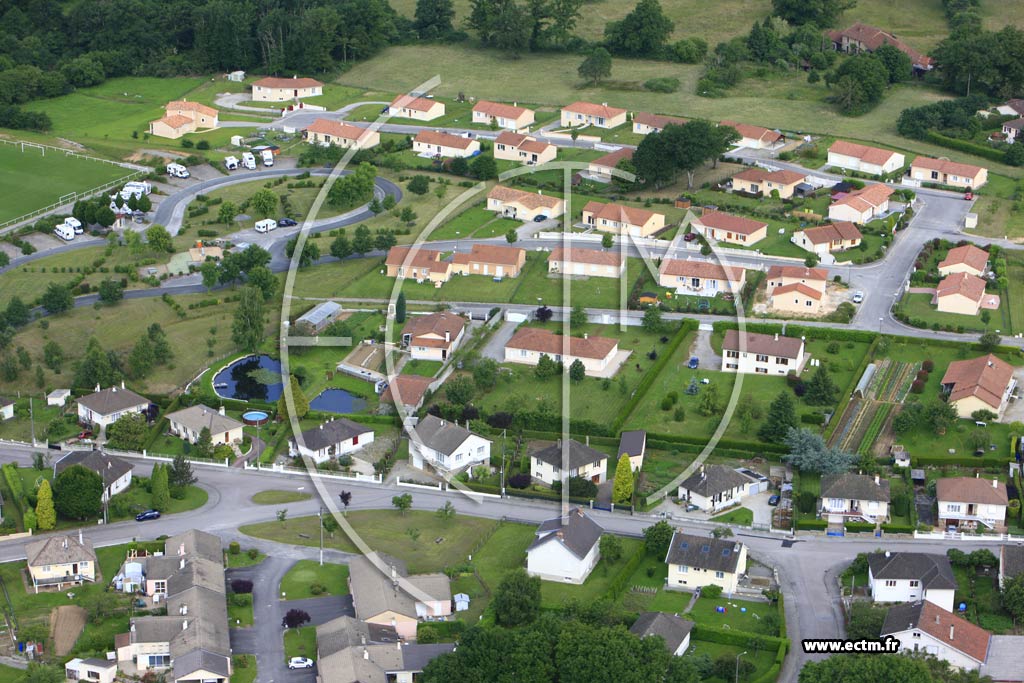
x=761, y=354
x=6, y=409
x=188, y=424
x=565, y=548
x=116, y=472
x=697, y=561
x=103, y=407
x=546, y=465
x=445, y=446
x=854, y=497
x=339, y=436
x=92, y=669
x=909, y=577
x=971, y=504
x=715, y=487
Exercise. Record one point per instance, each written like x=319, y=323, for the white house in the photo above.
x=434, y=336
x=761, y=354
x=548, y=464
x=188, y=424
x=969, y=504
x=6, y=409
x=856, y=497
x=446, y=447
x=103, y=408
x=116, y=472
x=910, y=577
x=714, y=487
x=599, y=355
x=565, y=548
x=864, y=159
x=330, y=439
x=925, y=627
x=92, y=669
x=58, y=397
x=674, y=630
x=696, y=561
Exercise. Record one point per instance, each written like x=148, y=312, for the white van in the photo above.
x=248, y=160
x=65, y=232
x=231, y=163
x=177, y=171
x=266, y=225
x=268, y=157
x=74, y=224
x=137, y=188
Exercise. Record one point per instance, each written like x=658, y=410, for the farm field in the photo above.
x=32, y=179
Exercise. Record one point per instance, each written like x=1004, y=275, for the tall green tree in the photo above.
x=808, y=452
x=181, y=475
x=57, y=298
x=247, y=328
x=298, y=397
x=53, y=356
x=78, y=493
x=433, y=18
x=128, y=432
x=161, y=488
x=517, y=599
x=46, y=514
x=264, y=280
x=643, y=32
x=95, y=368
x=780, y=419
x=657, y=538
x=823, y=13
x=203, y=447
x=596, y=67
x=141, y=359
x=159, y=238
x=400, y=308
x=821, y=388
x=622, y=490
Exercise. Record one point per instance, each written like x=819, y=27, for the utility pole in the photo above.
x=738, y=665
x=320, y=516
x=502, y=489
x=32, y=420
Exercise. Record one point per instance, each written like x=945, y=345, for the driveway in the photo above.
x=495, y=346
x=701, y=347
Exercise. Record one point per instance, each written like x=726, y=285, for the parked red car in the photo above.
x=689, y=237
x=85, y=435
x=968, y=195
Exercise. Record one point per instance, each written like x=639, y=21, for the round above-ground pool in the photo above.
x=255, y=417
x=337, y=401
x=242, y=380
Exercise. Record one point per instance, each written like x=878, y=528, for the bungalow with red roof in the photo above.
x=864, y=159
x=622, y=220
x=964, y=259
x=701, y=278
x=421, y=265
x=824, y=239
x=326, y=132
x=492, y=260
x=946, y=172
x=960, y=293
x=756, y=137
x=285, y=89
x=601, y=169
x=409, y=390
x=182, y=117
x=590, y=114
x=983, y=383
x=437, y=144
x=860, y=206
x=418, y=108
x=796, y=289
x=521, y=205
x=758, y=181
x=863, y=38
x=645, y=124
x=724, y=227
x=507, y=116
x=433, y=336
x=924, y=627
x=598, y=354
x=586, y=262
x=523, y=149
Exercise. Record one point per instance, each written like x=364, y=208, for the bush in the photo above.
x=317, y=588
x=234, y=548
x=928, y=365
x=922, y=375
x=832, y=348
x=663, y=84
x=241, y=586
x=711, y=591
x=519, y=481
x=917, y=387
x=666, y=403
x=812, y=524
x=253, y=553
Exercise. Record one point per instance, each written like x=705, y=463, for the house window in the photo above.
x=719, y=575
x=952, y=507
x=93, y=675
x=761, y=371
x=732, y=366
x=761, y=358
x=458, y=457
x=915, y=584
x=783, y=361
x=807, y=303
x=732, y=354
x=479, y=450
x=683, y=569
x=890, y=583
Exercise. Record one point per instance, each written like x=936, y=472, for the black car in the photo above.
x=147, y=515
x=539, y=218
x=286, y=223
x=773, y=500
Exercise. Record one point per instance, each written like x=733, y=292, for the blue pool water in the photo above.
x=337, y=401
x=235, y=381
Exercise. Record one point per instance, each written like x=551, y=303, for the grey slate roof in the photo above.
x=933, y=571
x=633, y=442
x=854, y=487
x=342, y=632
x=375, y=592
x=332, y=432
x=711, y=480
x=198, y=416
x=576, y=531
x=109, y=467
x=201, y=660
x=704, y=552
x=443, y=436
x=1011, y=560
x=196, y=543
x=59, y=550
x=579, y=455
x=112, y=400
x=669, y=626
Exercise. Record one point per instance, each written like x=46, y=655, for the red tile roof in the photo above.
x=767, y=344
x=782, y=177
x=596, y=257
x=618, y=212
x=798, y=287
x=436, y=137
x=288, y=83
x=657, y=120
x=531, y=200
x=491, y=253
x=871, y=155
x=833, y=232
x=968, y=255
x=754, y=132
x=591, y=109
x=947, y=166
x=985, y=377
x=726, y=221
x=520, y=141
x=336, y=129
x=945, y=627
x=965, y=284
x=706, y=270
x=873, y=38
x=971, y=490
x=546, y=341
x=185, y=105
x=505, y=111
x=410, y=388
x=421, y=258
x=797, y=272
x=435, y=324
x=175, y=120
x=415, y=103
x=612, y=159
x=871, y=197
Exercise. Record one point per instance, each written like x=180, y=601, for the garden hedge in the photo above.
x=898, y=529
x=859, y=527
x=721, y=636
x=812, y=524
x=618, y=583
x=989, y=153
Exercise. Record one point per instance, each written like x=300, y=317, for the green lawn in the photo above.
x=244, y=667
x=277, y=497
x=735, y=617
x=741, y=516
x=140, y=500
x=240, y=616
x=423, y=368
x=439, y=543
x=762, y=659
x=554, y=595
x=299, y=581
x=10, y=674
x=919, y=308
x=300, y=642
x=243, y=559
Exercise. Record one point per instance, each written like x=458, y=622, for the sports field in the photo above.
x=30, y=180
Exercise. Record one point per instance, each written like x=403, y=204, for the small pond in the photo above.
x=337, y=401
x=251, y=378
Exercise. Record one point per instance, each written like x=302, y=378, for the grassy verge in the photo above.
x=741, y=516
x=240, y=610
x=276, y=497
x=243, y=559
x=307, y=579
x=244, y=667
x=300, y=642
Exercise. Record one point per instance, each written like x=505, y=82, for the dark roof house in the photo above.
x=670, y=627
x=331, y=433
x=577, y=532
x=933, y=571
x=852, y=486
x=579, y=455
x=109, y=467
x=443, y=436
x=711, y=480
x=704, y=552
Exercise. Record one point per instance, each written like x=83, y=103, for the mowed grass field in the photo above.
x=30, y=180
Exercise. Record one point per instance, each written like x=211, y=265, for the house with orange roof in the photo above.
x=645, y=124
x=598, y=354
x=700, y=278
x=758, y=181
x=579, y=262
x=864, y=159
x=960, y=293
x=285, y=89
x=421, y=265
x=407, y=389
x=756, y=137
x=590, y=114
x=508, y=116
x=824, y=239
x=521, y=205
x=864, y=38
x=725, y=227
x=619, y=219
x=983, y=383
x=601, y=169
x=492, y=260
x=433, y=336
x=418, y=108
x=327, y=132
x=946, y=172
x=436, y=144
x=964, y=259
x=523, y=149
x=796, y=289
x=861, y=206
x=924, y=627
x=182, y=117
x=783, y=276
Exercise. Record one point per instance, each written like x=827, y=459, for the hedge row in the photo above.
x=859, y=527
x=1020, y=491
x=713, y=634
x=847, y=396
x=817, y=333
x=524, y=493
x=772, y=673
x=967, y=146
x=728, y=444
x=960, y=461
x=621, y=578
x=812, y=524
x=898, y=528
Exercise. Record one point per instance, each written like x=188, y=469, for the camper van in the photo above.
x=266, y=225
x=177, y=171
x=248, y=160
x=137, y=188
x=268, y=157
x=74, y=224
x=65, y=232
x=230, y=163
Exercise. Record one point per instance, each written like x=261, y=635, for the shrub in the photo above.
x=234, y=548
x=253, y=553
x=917, y=387
x=832, y=348
x=241, y=586
x=666, y=403
x=664, y=84
x=317, y=588
x=519, y=481
x=711, y=591
x=928, y=365
x=922, y=375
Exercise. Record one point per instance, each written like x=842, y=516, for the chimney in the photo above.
x=181, y=564
x=184, y=610
x=876, y=478
x=132, y=627
x=122, y=384
x=97, y=386
x=995, y=483
x=588, y=439
x=776, y=336
x=366, y=653
x=184, y=625
x=220, y=411
x=951, y=631
x=64, y=543
x=447, y=336
x=80, y=537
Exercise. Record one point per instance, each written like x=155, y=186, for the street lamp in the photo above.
x=320, y=518
x=738, y=665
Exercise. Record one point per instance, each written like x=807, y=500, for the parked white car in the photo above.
x=300, y=663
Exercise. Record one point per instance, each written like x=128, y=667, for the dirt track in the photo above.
x=66, y=624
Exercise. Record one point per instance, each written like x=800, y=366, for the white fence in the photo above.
x=960, y=536
x=284, y=469
x=433, y=487
x=163, y=457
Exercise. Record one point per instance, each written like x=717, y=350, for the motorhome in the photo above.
x=266, y=225
x=268, y=157
x=177, y=171
x=65, y=232
x=248, y=160
x=230, y=163
x=74, y=224
x=137, y=188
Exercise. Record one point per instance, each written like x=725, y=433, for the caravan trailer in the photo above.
x=248, y=161
x=266, y=225
x=65, y=232
x=177, y=171
x=230, y=163
x=74, y=224
x=268, y=157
